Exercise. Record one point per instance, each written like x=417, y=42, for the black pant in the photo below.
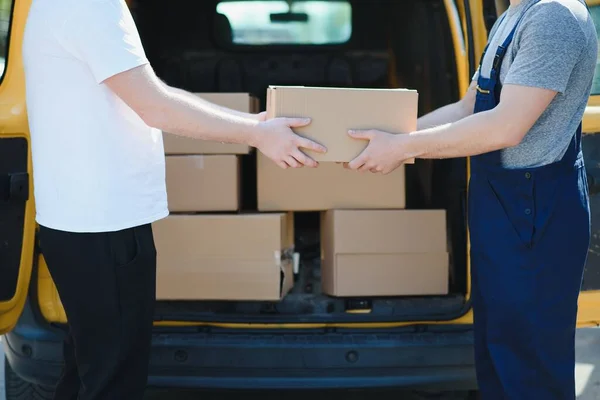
x=106, y=282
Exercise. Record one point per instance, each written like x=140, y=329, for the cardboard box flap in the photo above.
x=384, y=231
x=333, y=111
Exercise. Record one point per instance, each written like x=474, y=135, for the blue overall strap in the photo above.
x=501, y=51
x=489, y=40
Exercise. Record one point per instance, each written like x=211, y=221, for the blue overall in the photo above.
x=530, y=233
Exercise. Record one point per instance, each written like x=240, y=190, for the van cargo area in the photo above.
x=205, y=47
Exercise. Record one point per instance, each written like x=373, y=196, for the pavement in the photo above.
x=587, y=371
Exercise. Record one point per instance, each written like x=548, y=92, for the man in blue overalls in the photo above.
x=529, y=215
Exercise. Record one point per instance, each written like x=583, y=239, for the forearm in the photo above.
x=444, y=115
x=208, y=104
x=498, y=128
x=180, y=113
x=476, y=134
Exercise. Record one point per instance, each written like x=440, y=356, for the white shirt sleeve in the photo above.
x=103, y=35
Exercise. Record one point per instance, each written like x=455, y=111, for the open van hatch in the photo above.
x=245, y=46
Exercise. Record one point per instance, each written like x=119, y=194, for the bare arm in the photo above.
x=450, y=113
x=193, y=97
x=542, y=67
x=502, y=127
x=179, y=113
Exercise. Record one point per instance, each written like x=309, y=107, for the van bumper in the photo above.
x=228, y=359
x=314, y=360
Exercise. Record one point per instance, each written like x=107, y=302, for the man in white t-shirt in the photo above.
x=96, y=112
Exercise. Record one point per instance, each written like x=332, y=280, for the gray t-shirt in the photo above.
x=555, y=47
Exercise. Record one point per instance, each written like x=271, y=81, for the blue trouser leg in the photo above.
x=484, y=362
x=527, y=269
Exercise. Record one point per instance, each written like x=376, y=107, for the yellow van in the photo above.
x=310, y=340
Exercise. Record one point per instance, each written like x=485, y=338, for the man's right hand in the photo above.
x=277, y=141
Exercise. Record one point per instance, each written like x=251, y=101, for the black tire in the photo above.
x=19, y=389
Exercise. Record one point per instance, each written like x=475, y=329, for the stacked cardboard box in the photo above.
x=371, y=246
x=327, y=187
x=203, y=176
x=223, y=257
x=217, y=256
x=384, y=252
x=197, y=183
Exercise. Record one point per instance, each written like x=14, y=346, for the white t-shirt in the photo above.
x=97, y=166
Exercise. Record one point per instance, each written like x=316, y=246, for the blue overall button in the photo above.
x=528, y=175
x=528, y=211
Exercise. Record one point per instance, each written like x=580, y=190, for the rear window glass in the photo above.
x=274, y=22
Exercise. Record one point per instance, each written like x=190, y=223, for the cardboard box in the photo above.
x=243, y=102
x=329, y=186
x=384, y=253
x=223, y=257
x=203, y=183
x=334, y=111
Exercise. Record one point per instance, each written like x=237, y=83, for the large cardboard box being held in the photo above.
x=203, y=183
x=384, y=253
x=326, y=187
x=223, y=257
x=243, y=102
x=334, y=111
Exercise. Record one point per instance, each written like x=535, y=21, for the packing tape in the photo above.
x=296, y=259
x=287, y=255
x=199, y=162
x=277, y=258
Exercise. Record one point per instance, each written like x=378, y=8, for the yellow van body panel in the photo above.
x=14, y=123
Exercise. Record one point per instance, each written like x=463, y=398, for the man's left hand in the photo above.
x=384, y=153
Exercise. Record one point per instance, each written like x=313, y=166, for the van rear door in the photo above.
x=17, y=223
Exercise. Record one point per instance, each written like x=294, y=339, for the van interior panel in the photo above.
x=194, y=47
